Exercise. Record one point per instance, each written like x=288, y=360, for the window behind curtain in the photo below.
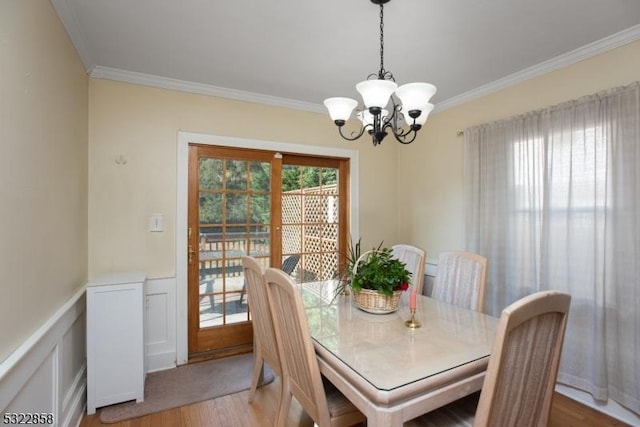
x=553, y=203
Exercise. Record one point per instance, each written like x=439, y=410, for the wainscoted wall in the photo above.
x=48, y=373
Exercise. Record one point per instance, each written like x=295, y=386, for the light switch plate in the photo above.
x=155, y=222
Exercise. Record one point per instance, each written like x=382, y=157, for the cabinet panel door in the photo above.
x=115, y=343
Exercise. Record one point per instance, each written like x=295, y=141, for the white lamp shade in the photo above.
x=414, y=96
x=425, y=110
x=376, y=93
x=367, y=118
x=340, y=108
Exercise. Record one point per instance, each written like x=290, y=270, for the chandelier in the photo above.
x=402, y=110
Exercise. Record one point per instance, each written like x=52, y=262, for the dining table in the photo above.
x=392, y=372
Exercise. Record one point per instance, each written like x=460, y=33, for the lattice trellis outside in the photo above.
x=310, y=228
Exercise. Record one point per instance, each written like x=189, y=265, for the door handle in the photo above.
x=191, y=252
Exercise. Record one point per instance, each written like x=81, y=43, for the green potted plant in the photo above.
x=376, y=278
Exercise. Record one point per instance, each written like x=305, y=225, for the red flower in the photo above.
x=404, y=286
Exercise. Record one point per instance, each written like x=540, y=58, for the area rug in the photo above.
x=188, y=384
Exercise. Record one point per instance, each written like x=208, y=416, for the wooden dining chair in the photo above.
x=414, y=258
x=461, y=279
x=264, y=338
x=301, y=376
x=523, y=366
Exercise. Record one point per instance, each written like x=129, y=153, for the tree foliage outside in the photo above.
x=242, y=188
x=301, y=177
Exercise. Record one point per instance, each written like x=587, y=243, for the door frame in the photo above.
x=182, y=171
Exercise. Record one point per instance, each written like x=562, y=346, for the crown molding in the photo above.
x=600, y=46
x=100, y=72
x=611, y=42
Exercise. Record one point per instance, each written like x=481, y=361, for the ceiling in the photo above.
x=296, y=53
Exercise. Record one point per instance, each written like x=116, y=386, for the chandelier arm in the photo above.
x=399, y=133
x=401, y=138
x=395, y=129
x=392, y=120
x=362, y=129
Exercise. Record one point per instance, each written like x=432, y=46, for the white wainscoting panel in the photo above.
x=47, y=373
x=160, y=323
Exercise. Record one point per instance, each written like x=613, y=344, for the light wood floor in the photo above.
x=235, y=411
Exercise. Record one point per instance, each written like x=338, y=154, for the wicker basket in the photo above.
x=373, y=301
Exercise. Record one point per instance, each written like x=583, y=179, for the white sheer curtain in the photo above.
x=553, y=201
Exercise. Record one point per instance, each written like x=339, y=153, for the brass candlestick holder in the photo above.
x=412, y=323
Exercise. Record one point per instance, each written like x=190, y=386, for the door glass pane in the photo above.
x=211, y=174
x=210, y=208
x=260, y=208
x=291, y=239
x=236, y=208
x=234, y=221
x=260, y=177
x=236, y=175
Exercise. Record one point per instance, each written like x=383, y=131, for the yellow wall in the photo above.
x=141, y=124
x=43, y=169
x=431, y=174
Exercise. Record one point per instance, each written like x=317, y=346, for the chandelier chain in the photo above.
x=382, y=71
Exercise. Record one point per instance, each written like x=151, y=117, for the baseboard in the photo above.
x=160, y=362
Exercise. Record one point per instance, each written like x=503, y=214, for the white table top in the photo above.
x=389, y=362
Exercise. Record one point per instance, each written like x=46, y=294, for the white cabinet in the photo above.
x=115, y=339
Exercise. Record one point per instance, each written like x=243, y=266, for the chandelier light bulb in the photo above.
x=367, y=118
